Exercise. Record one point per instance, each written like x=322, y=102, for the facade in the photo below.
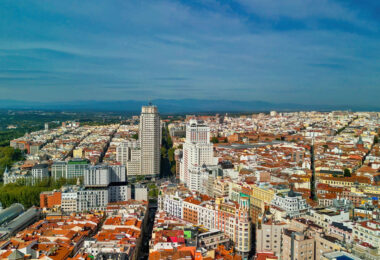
x=150, y=141
x=341, y=231
x=78, y=153
x=269, y=237
x=128, y=154
x=122, y=153
x=58, y=170
x=104, y=175
x=40, y=172
x=172, y=204
x=261, y=196
x=291, y=204
x=11, y=177
x=69, y=201
x=368, y=232
x=326, y=244
x=202, y=178
x=134, y=165
x=92, y=199
x=197, y=149
x=76, y=199
x=296, y=245
x=234, y=221
x=119, y=193
x=190, y=210
x=212, y=239
x=50, y=199
x=34, y=149
x=97, y=176
x=207, y=215
x=141, y=192
x=221, y=187
x=76, y=168
x=14, y=178
x=118, y=174
x=324, y=217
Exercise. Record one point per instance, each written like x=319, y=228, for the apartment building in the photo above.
x=291, y=204
x=324, y=216
x=297, y=245
x=269, y=236
x=368, y=232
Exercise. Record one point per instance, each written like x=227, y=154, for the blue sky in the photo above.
x=298, y=51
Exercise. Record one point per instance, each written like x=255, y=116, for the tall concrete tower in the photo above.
x=150, y=141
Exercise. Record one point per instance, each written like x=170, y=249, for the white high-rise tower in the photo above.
x=197, y=149
x=150, y=141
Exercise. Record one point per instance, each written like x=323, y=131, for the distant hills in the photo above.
x=173, y=106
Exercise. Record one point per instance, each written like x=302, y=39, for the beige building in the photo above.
x=297, y=246
x=261, y=195
x=324, y=217
x=368, y=231
x=326, y=244
x=69, y=202
x=221, y=187
x=269, y=237
x=78, y=153
x=150, y=141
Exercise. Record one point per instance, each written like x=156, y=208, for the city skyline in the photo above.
x=278, y=185
x=303, y=52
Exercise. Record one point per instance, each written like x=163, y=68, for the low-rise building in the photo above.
x=291, y=204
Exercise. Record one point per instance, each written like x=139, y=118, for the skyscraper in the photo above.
x=197, y=149
x=150, y=141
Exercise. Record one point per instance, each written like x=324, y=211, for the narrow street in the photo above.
x=147, y=235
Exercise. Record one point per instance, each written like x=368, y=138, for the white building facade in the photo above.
x=197, y=149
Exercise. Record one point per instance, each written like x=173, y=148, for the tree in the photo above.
x=171, y=155
x=135, y=136
x=173, y=169
x=140, y=178
x=376, y=139
x=28, y=196
x=8, y=156
x=214, y=140
x=153, y=191
x=169, y=142
x=164, y=152
x=347, y=173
